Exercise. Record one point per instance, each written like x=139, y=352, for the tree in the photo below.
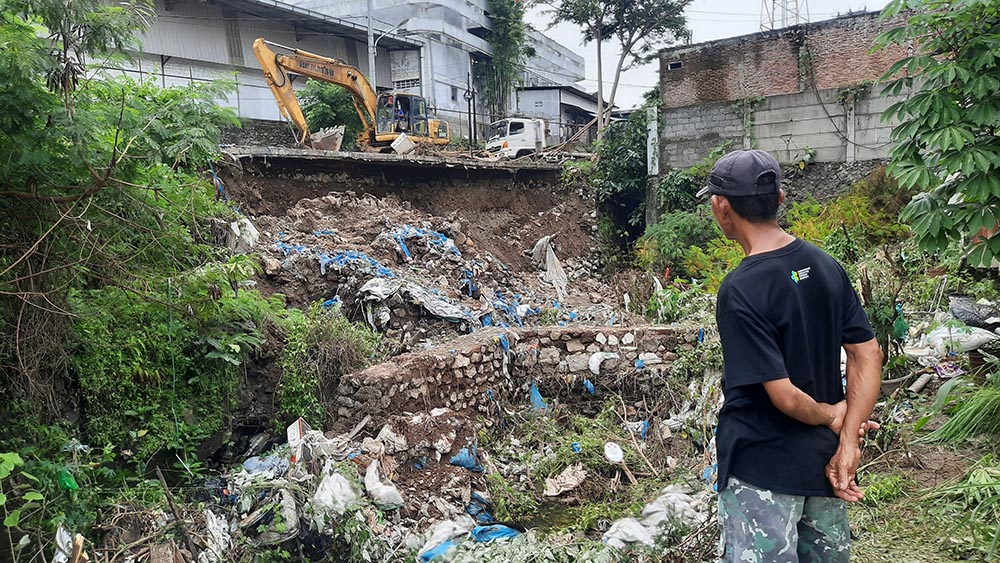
x=508, y=39
x=639, y=26
x=330, y=105
x=947, y=142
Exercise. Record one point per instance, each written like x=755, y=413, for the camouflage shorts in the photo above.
x=759, y=526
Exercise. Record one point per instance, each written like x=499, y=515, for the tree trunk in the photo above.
x=614, y=89
x=600, y=84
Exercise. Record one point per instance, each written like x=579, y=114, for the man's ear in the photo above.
x=781, y=196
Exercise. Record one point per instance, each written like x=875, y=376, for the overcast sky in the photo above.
x=708, y=20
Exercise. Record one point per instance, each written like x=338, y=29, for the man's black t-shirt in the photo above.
x=783, y=313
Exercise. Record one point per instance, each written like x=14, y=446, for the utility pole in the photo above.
x=371, y=49
x=468, y=98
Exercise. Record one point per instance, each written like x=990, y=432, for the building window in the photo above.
x=454, y=93
x=676, y=65
x=539, y=103
x=404, y=84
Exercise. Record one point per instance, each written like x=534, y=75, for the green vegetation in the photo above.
x=321, y=346
x=330, y=105
x=946, y=144
x=508, y=39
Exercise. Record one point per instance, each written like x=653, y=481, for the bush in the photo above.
x=666, y=244
x=330, y=105
x=322, y=346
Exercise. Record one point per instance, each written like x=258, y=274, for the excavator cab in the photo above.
x=400, y=113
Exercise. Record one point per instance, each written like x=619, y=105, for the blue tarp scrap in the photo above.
x=433, y=238
x=323, y=232
x=492, y=532
x=287, y=249
x=330, y=303
x=487, y=319
x=479, y=509
x=507, y=309
x=701, y=335
x=504, y=343
x=466, y=458
x=344, y=257
x=536, y=398
x=640, y=364
x=439, y=551
x=577, y=448
x=589, y=386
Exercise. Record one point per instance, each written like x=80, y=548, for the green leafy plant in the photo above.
x=510, y=48
x=330, y=105
x=666, y=244
x=321, y=346
x=677, y=301
x=946, y=144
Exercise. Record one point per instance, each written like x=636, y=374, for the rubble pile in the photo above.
x=421, y=279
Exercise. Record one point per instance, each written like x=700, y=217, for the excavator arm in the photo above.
x=276, y=68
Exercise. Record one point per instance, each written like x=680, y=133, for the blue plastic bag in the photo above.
x=438, y=551
x=492, y=532
x=589, y=386
x=467, y=458
x=536, y=398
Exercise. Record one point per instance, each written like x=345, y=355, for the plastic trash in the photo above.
x=493, y=532
x=219, y=539
x=441, y=536
x=640, y=427
x=385, y=495
x=479, y=509
x=242, y=236
x=66, y=481
x=981, y=314
x=544, y=253
x=640, y=363
x=466, y=457
x=954, y=339
x=273, y=464
x=589, y=386
x=64, y=545
x=597, y=358
x=536, y=398
x=577, y=448
x=334, y=495
x=440, y=550
x=613, y=452
x=276, y=521
x=626, y=531
x=569, y=479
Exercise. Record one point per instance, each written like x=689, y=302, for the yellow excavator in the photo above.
x=385, y=116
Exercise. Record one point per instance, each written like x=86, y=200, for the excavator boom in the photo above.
x=399, y=113
x=276, y=68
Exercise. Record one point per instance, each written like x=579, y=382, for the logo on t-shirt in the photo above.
x=799, y=275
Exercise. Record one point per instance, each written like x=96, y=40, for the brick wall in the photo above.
x=777, y=62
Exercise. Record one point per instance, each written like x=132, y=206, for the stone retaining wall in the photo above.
x=495, y=367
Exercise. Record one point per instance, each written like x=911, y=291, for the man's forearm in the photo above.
x=797, y=404
x=864, y=377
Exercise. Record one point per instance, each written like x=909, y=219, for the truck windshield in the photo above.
x=498, y=130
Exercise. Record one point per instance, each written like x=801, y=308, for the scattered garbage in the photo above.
x=385, y=495
x=953, y=339
x=484, y=534
x=536, y=398
x=675, y=509
x=466, y=457
x=598, y=358
x=334, y=495
x=979, y=314
x=441, y=536
x=218, y=539
x=569, y=479
x=273, y=465
x=242, y=236
x=480, y=509
x=544, y=254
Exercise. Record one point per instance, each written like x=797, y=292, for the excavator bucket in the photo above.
x=327, y=139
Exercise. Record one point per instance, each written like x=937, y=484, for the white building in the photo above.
x=426, y=48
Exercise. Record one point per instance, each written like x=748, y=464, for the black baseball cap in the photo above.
x=743, y=173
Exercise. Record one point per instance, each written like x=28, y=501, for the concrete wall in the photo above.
x=831, y=122
x=495, y=367
x=824, y=55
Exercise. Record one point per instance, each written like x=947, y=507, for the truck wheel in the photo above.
x=523, y=152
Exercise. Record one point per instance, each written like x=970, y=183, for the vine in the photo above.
x=745, y=108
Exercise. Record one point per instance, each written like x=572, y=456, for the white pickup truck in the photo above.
x=516, y=137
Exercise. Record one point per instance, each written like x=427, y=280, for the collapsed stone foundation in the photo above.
x=489, y=369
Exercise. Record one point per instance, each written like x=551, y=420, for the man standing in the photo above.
x=788, y=441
